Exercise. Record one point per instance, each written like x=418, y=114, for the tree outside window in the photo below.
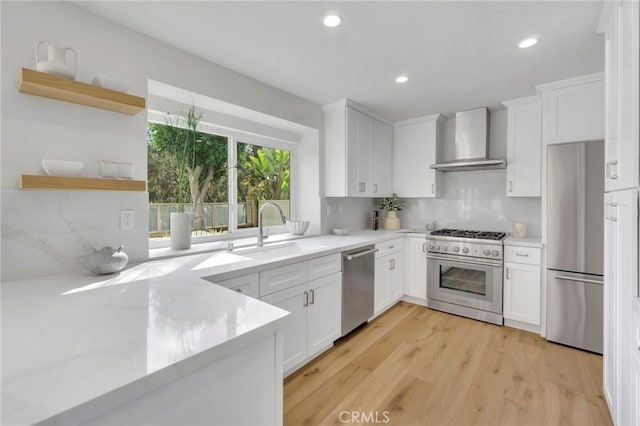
x=201, y=184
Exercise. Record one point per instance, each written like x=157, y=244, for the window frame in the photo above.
x=233, y=137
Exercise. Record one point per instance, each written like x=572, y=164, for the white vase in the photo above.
x=392, y=221
x=180, y=225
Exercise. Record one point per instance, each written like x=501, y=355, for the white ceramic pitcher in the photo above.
x=56, y=60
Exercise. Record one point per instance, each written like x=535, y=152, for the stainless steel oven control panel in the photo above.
x=487, y=250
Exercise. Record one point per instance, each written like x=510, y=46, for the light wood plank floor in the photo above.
x=415, y=366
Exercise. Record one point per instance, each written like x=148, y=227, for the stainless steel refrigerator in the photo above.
x=575, y=227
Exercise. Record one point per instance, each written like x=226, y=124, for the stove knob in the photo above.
x=444, y=248
x=456, y=249
x=432, y=247
x=465, y=250
x=495, y=253
x=486, y=252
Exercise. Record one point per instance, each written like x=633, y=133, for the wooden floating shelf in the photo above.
x=81, y=184
x=63, y=89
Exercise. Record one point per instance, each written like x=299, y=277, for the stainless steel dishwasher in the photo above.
x=358, y=267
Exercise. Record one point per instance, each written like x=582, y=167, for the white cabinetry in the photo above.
x=522, y=276
x=357, y=151
x=621, y=68
x=389, y=274
x=312, y=292
x=249, y=285
x=620, y=276
x=619, y=22
x=524, y=146
x=415, y=283
x=635, y=368
x=416, y=145
x=573, y=109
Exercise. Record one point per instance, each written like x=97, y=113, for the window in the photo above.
x=222, y=177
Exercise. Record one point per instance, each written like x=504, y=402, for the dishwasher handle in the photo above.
x=360, y=254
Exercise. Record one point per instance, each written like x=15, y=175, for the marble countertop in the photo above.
x=68, y=340
x=523, y=242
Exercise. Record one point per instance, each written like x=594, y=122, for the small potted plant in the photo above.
x=392, y=205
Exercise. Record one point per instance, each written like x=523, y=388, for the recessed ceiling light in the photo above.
x=527, y=43
x=332, y=20
x=402, y=78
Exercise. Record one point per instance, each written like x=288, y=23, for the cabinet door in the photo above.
x=396, y=277
x=324, y=313
x=382, y=159
x=415, y=147
x=295, y=300
x=381, y=284
x=621, y=257
x=359, y=153
x=610, y=316
x=622, y=99
x=522, y=292
x=524, y=148
x=574, y=113
x=415, y=283
x=249, y=285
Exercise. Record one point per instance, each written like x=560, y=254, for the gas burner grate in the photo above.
x=461, y=233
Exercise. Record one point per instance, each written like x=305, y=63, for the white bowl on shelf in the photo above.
x=62, y=168
x=108, y=82
x=297, y=227
x=340, y=231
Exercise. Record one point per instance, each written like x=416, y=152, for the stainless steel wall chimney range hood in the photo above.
x=472, y=144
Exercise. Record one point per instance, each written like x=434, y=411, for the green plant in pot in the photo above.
x=180, y=140
x=392, y=205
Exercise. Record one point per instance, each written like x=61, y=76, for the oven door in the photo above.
x=466, y=282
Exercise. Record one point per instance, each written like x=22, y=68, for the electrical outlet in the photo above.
x=126, y=219
x=328, y=210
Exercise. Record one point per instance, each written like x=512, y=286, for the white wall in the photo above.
x=46, y=232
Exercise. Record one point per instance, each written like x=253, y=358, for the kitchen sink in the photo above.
x=276, y=250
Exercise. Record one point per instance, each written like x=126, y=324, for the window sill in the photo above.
x=220, y=245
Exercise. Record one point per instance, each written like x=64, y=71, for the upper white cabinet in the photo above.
x=573, y=109
x=524, y=146
x=357, y=152
x=619, y=23
x=416, y=145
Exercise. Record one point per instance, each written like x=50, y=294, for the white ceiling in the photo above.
x=458, y=55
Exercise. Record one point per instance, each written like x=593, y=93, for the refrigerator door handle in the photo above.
x=572, y=278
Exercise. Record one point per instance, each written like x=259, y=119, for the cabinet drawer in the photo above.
x=283, y=277
x=323, y=266
x=249, y=285
x=517, y=254
x=387, y=247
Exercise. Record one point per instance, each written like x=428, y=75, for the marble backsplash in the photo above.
x=47, y=232
x=469, y=200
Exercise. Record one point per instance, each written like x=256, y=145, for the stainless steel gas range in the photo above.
x=465, y=273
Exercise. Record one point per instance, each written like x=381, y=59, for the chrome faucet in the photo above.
x=282, y=218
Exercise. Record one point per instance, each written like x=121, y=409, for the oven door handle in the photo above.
x=470, y=262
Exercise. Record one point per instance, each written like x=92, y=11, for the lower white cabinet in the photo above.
x=316, y=309
x=324, y=313
x=522, y=277
x=635, y=365
x=293, y=300
x=389, y=274
x=620, y=277
x=415, y=283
